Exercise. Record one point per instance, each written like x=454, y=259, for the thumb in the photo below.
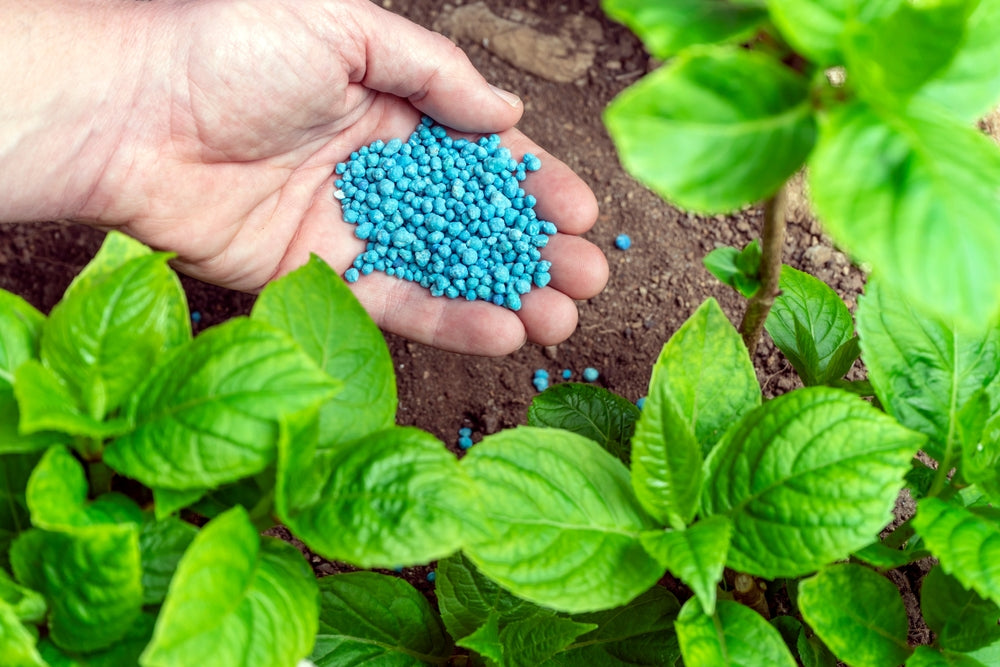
x=435, y=75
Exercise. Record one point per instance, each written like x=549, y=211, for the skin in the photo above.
x=210, y=128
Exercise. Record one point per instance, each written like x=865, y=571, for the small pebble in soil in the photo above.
x=541, y=379
x=590, y=374
x=623, y=242
x=448, y=214
x=641, y=402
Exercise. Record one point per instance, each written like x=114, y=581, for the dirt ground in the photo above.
x=654, y=286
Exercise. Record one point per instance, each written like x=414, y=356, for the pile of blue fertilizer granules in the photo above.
x=448, y=214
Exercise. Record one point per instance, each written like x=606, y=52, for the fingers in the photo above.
x=435, y=75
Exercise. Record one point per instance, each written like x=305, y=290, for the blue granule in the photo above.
x=641, y=402
x=541, y=379
x=465, y=437
x=590, y=374
x=623, y=242
x=448, y=214
x=567, y=374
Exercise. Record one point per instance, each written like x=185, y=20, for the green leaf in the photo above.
x=12, y=441
x=925, y=656
x=561, y=521
x=883, y=557
x=696, y=555
x=57, y=497
x=162, y=544
x=969, y=85
x=808, y=304
x=924, y=370
x=978, y=431
x=20, y=328
x=17, y=643
x=103, y=338
x=117, y=250
x=208, y=414
x=737, y=268
x=816, y=29
x=397, y=497
x=171, y=501
x=47, y=404
x=91, y=579
x=915, y=197
x=317, y=309
x=26, y=604
x=485, y=641
x=14, y=516
x=968, y=545
x=638, y=633
x=669, y=27
x=858, y=614
x=236, y=600
x=369, y=618
x=530, y=642
x=681, y=129
x=735, y=635
x=961, y=620
x=124, y=652
x=807, y=478
x=889, y=59
x=593, y=412
x=810, y=651
x=702, y=382
x=467, y=599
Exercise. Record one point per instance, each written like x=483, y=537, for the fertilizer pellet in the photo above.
x=641, y=402
x=590, y=374
x=567, y=374
x=448, y=214
x=623, y=242
x=540, y=379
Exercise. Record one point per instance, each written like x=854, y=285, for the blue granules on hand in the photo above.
x=448, y=214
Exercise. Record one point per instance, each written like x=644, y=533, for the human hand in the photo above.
x=243, y=111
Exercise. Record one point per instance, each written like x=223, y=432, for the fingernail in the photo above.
x=507, y=96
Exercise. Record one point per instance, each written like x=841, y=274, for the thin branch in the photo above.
x=772, y=245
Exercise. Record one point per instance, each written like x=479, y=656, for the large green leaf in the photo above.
x=20, y=329
x=890, y=58
x=925, y=656
x=397, y=497
x=532, y=641
x=915, y=197
x=91, y=579
x=735, y=636
x=17, y=644
x=960, y=619
x=103, y=338
x=591, y=411
x=696, y=555
x=369, y=618
x=925, y=370
x=967, y=544
x=969, y=85
x=561, y=521
x=807, y=478
x=26, y=604
x=208, y=414
x=315, y=306
x=11, y=439
x=858, y=614
x=668, y=27
x=715, y=129
x=236, y=601
x=807, y=303
x=162, y=544
x=467, y=599
x=638, y=633
x=702, y=382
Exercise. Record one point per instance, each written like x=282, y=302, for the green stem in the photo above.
x=771, y=248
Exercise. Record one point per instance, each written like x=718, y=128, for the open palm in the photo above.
x=229, y=161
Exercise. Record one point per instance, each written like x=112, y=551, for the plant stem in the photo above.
x=771, y=246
